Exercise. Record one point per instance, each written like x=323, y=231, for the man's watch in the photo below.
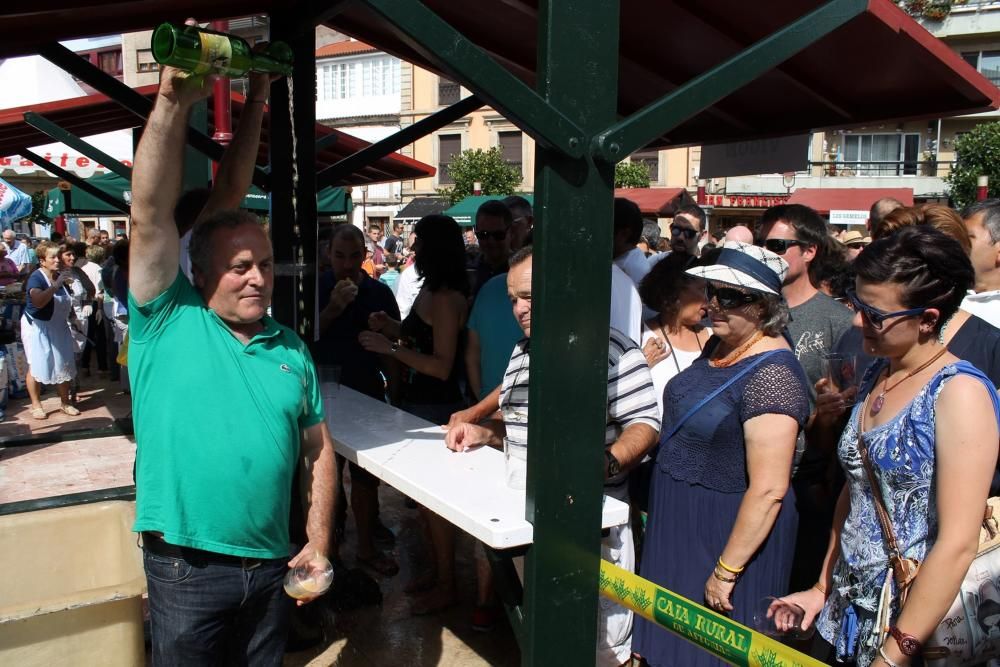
x=394, y=347
x=613, y=466
x=908, y=644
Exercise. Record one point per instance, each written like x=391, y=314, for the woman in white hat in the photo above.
x=722, y=514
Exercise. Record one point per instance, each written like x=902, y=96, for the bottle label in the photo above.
x=216, y=54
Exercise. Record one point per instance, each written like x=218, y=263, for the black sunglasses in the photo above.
x=729, y=297
x=686, y=232
x=496, y=236
x=876, y=318
x=781, y=246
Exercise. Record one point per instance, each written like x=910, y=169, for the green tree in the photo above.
x=495, y=175
x=631, y=175
x=977, y=153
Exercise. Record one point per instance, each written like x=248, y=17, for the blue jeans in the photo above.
x=214, y=614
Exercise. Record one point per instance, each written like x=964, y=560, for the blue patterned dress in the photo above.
x=903, y=461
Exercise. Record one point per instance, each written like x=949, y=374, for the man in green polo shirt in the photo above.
x=227, y=410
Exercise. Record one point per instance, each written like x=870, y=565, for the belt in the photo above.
x=154, y=544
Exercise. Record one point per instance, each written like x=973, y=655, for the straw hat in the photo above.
x=747, y=266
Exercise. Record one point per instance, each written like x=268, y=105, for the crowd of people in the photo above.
x=74, y=309
x=747, y=455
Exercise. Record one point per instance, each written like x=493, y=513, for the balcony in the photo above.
x=926, y=177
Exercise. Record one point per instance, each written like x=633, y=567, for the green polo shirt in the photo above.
x=217, y=425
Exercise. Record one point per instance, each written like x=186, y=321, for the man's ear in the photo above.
x=996, y=256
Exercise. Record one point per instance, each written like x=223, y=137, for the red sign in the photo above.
x=746, y=201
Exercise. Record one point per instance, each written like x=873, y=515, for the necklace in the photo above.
x=880, y=399
x=735, y=355
x=666, y=338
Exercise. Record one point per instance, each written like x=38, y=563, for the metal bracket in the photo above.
x=656, y=118
x=451, y=51
x=64, y=136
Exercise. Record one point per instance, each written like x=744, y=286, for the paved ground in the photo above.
x=375, y=635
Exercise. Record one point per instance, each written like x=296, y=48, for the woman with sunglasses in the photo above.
x=927, y=424
x=722, y=516
x=428, y=345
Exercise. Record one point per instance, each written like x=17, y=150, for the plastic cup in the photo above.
x=841, y=371
x=515, y=455
x=310, y=579
x=782, y=620
x=329, y=379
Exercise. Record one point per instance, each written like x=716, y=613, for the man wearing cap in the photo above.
x=799, y=235
x=855, y=242
x=632, y=429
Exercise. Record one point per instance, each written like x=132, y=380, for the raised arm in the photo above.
x=156, y=184
x=232, y=181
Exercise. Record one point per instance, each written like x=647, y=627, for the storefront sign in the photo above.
x=759, y=156
x=745, y=201
x=845, y=217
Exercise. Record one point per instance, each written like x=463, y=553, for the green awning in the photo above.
x=332, y=201
x=464, y=211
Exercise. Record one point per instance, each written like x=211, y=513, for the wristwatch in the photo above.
x=908, y=644
x=613, y=467
x=394, y=347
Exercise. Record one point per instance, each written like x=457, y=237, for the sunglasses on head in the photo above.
x=781, y=246
x=875, y=317
x=496, y=236
x=686, y=232
x=729, y=297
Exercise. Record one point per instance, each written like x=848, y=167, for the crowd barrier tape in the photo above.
x=720, y=636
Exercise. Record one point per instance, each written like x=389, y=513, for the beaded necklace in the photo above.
x=735, y=355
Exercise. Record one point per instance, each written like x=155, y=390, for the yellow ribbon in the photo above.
x=724, y=638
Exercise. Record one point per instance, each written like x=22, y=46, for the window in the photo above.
x=110, y=62
x=448, y=92
x=881, y=154
x=510, y=146
x=145, y=62
x=334, y=82
x=371, y=77
x=651, y=159
x=986, y=62
x=449, y=145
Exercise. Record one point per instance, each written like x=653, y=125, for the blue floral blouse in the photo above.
x=903, y=461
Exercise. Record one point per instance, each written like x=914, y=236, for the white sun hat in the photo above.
x=747, y=266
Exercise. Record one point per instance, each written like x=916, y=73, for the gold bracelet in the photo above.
x=818, y=586
x=731, y=570
x=728, y=580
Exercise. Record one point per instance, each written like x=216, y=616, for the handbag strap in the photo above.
x=705, y=401
x=880, y=511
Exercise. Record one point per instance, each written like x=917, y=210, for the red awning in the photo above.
x=907, y=72
x=824, y=200
x=94, y=114
x=661, y=202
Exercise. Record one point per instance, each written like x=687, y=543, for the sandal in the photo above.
x=69, y=410
x=381, y=563
x=39, y=413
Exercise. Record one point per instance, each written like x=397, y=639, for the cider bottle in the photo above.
x=203, y=52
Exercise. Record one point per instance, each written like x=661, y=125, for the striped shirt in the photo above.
x=631, y=396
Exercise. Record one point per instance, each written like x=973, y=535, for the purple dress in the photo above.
x=698, y=484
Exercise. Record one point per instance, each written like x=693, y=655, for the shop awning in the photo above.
x=659, y=202
x=464, y=211
x=824, y=200
x=908, y=73
x=419, y=207
x=332, y=201
x=94, y=114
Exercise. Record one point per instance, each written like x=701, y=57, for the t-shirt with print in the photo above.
x=815, y=328
x=217, y=425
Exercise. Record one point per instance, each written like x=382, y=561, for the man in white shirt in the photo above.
x=982, y=220
x=628, y=230
x=17, y=251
